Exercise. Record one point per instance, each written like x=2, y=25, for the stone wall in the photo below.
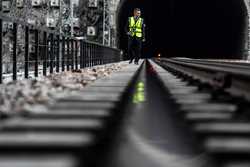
x=93, y=16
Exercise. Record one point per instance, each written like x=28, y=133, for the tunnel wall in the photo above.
x=247, y=38
x=241, y=50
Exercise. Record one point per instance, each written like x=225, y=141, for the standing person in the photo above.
x=136, y=35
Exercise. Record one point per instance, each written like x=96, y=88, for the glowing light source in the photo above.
x=139, y=95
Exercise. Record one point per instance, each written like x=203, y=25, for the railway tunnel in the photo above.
x=93, y=109
x=194, y=29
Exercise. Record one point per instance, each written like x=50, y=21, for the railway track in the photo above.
x=219, y=122
x=229, y=76
x=70, y=133
x=167, y=112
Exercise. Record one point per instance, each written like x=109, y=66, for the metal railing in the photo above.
x=54, y=52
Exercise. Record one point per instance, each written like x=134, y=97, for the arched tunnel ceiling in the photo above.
x=197, y=29
x=247, y=5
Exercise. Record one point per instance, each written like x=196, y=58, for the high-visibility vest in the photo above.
x=135, y=27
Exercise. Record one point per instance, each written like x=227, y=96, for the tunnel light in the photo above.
x=19, y=3
x=6, y=6
x=5, y=26
x=159, y=56
x=106, y=32
x=54, y=3
x=91, y=31
x=22, y=48
x=31, y=21
x=76, y=23
x=36, y=3
x=10, y=25
x=51, y=23
x=31, y=48
x=11, y=48
x=92, y=3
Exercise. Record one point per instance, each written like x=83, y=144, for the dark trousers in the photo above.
x=134, y=48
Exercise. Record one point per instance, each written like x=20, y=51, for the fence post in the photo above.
x=87, y=54
x=98, y=55
x=81, y=54
x=84, y=54
x=45, y=53
x=63, y=53
x=94, y=55
x=14, y=51
x=51, y=53
x=68, y=53
x=36, y=52
x=72, y=54
x=1, y=56
x=91, y=55
x=58, y=53
x=76, y=54
x=101, y=56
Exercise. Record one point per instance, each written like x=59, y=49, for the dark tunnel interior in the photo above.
x=194, y=29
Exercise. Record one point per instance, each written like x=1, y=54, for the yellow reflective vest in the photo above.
x=135, y=27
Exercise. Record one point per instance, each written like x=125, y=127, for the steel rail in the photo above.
x=243, y=65
x=234, y=70
x=228, y=77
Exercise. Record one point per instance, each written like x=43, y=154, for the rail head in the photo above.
x=231, y=69
x=233, y=80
